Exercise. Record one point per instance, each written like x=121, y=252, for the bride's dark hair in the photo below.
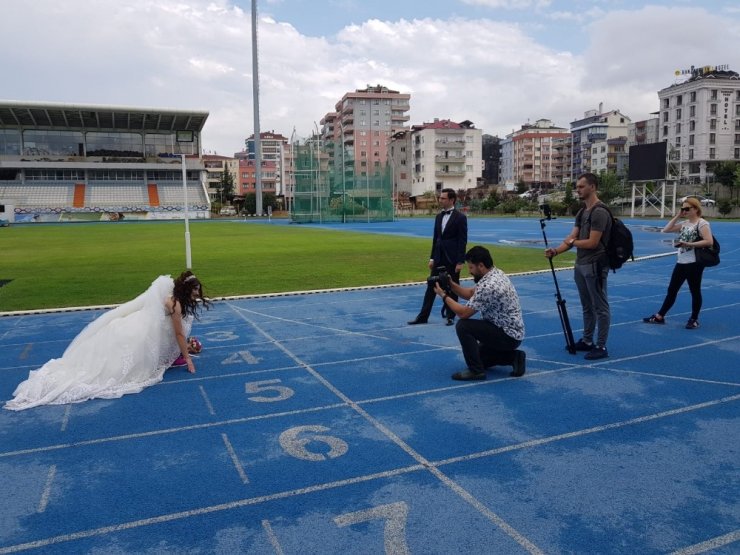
x=185, y=283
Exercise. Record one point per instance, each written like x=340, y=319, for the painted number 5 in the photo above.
x=297, y=446
x=281, y=392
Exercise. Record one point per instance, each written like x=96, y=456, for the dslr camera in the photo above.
x=442, y=277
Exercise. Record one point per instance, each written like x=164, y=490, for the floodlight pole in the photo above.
x=188, y=258
x=256, y=110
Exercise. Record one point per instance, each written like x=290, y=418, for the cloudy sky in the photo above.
x=498, y=63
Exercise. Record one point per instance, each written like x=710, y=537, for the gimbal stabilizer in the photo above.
x=570, y=343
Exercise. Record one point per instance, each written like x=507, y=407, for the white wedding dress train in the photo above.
x=123, y=351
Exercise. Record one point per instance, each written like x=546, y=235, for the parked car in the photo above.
x=228, y=211
x=704, y=201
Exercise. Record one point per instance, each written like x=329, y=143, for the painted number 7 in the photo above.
x=394, y=533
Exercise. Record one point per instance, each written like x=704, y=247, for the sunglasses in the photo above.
x=685, y=208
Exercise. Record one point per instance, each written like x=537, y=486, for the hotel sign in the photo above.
x=696, y=71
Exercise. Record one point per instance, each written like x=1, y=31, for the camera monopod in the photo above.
x=570, y=343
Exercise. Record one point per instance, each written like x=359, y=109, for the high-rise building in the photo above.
x=596, y=125
x=491, y=159
x=643, y=132
x=700, y=120
x=361, y=127
x=274, y=148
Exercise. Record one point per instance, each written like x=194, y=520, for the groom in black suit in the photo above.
x=448, y=250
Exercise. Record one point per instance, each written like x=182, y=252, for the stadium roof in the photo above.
x=48, y=115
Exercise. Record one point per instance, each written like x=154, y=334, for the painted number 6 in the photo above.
x=297, y=446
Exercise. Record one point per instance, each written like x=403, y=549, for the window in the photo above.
x=666, y=103
x=691, y=140
x=679, y=99
x=737, y=154
x=692, y=111
x=737, y=138
x=713, y=94
x=737, y=110
x=678, y=113
x=678, y=128
x=713, y=124
x=692, y=96
x=712, y=153
x=712, y=138
x=712, y=109
x=665, y=117
x=692, y=125
x=691, y=154
x=678, y=141
x=665, y=130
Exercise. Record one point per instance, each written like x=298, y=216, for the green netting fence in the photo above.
x=328, y=189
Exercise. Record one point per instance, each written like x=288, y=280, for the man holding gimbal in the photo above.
x=494, y=338
x=448, y=251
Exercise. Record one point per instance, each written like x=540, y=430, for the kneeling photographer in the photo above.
x=494, y=338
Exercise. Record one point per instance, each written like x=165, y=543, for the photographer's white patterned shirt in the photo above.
x=497, y=301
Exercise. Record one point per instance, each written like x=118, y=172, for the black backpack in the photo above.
x=620, y=246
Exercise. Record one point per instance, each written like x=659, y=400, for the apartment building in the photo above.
x=595, y=126
x=700, y=120
x=274, y=148
x=536, y=154
x=643, y=132
x=215, y=165
x=610, y=155
x=445, y=154
x=247, y=181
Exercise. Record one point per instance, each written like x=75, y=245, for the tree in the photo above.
x=250, y=202
x=226, y=186
x=724, y=173
x=609, y=188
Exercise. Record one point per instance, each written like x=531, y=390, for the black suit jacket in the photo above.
x=448, y=246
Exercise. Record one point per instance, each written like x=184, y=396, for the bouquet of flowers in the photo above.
x=194, y=346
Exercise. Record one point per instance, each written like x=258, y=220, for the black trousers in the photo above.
x=684, y=272
x=485, y=344
x=430, y=295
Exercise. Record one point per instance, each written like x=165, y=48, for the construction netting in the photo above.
x=327, y=187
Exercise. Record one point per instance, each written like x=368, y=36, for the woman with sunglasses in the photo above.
x=123, y=351
x=693, y=232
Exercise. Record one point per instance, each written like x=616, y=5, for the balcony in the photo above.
x=449, y=173
x=449, y=144
x=596, y=137
x=449, y=159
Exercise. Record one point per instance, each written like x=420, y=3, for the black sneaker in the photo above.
x=519, y=364
x=596, y=353
x=692, y=324
x=581, y=345
x=468, y=375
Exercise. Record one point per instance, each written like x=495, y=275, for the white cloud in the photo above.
x=197, y=54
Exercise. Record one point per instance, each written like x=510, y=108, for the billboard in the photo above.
x=648, y=162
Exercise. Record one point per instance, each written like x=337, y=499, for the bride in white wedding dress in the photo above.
x=123, y=351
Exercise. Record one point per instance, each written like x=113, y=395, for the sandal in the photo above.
x=692, y=324
x=654, y=320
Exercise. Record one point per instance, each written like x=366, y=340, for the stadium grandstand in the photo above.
x=69, y=162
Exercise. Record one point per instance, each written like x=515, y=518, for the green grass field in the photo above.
x=53, y=266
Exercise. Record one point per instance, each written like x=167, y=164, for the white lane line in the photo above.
x=714, y=543
x=207, y=400
x=65, y=418
x=205, y=510
x=235, y=459
x=455, y=487
x=47, y=489
x=272, y=537
x=153, y=433
x=587, y=431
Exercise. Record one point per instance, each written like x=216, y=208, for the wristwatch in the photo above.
x=571, y=242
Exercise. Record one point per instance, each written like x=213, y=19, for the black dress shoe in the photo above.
x=468, y=375
x=416, y=321
x=519, y=364
x=450, y=321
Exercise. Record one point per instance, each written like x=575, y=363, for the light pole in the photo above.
x=185, y=137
